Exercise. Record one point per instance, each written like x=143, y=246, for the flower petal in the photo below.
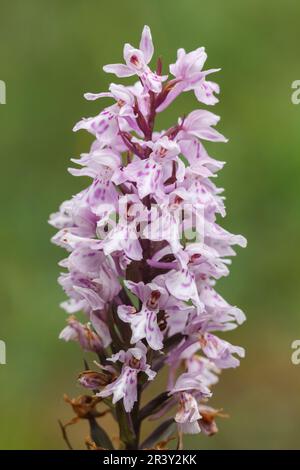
x=120, y=70
x=146, y=44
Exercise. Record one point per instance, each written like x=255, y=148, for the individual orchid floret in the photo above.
x=186, y=387
x=225, y=316
x=163, y=149
x=188, y=75
x=188, y=416
x=151, y=174
x=124, y=237
x=145, y=323
x=220, y=352
x=99, y=164
x=200, y=162
x=125, y=386
x=137, y=61
x=181, y=284
x=91, y=282
x=202, y=367
x=191, y=382
x=120, y=116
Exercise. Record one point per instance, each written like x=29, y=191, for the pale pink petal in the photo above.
x=120, y=70
x=146, y=44
x=96, y=96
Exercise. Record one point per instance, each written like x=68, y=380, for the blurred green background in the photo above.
x=50, y=54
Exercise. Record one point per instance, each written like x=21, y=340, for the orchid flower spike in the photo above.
x=145, y=250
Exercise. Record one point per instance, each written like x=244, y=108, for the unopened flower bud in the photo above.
x=93, y=380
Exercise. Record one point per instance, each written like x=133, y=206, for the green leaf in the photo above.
x=99, y=436
x=127, y=434
x=162, y=432
x=116, y=344
x=123, y=328
x=154, y=405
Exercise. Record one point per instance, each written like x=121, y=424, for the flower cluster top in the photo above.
x=145, y=248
